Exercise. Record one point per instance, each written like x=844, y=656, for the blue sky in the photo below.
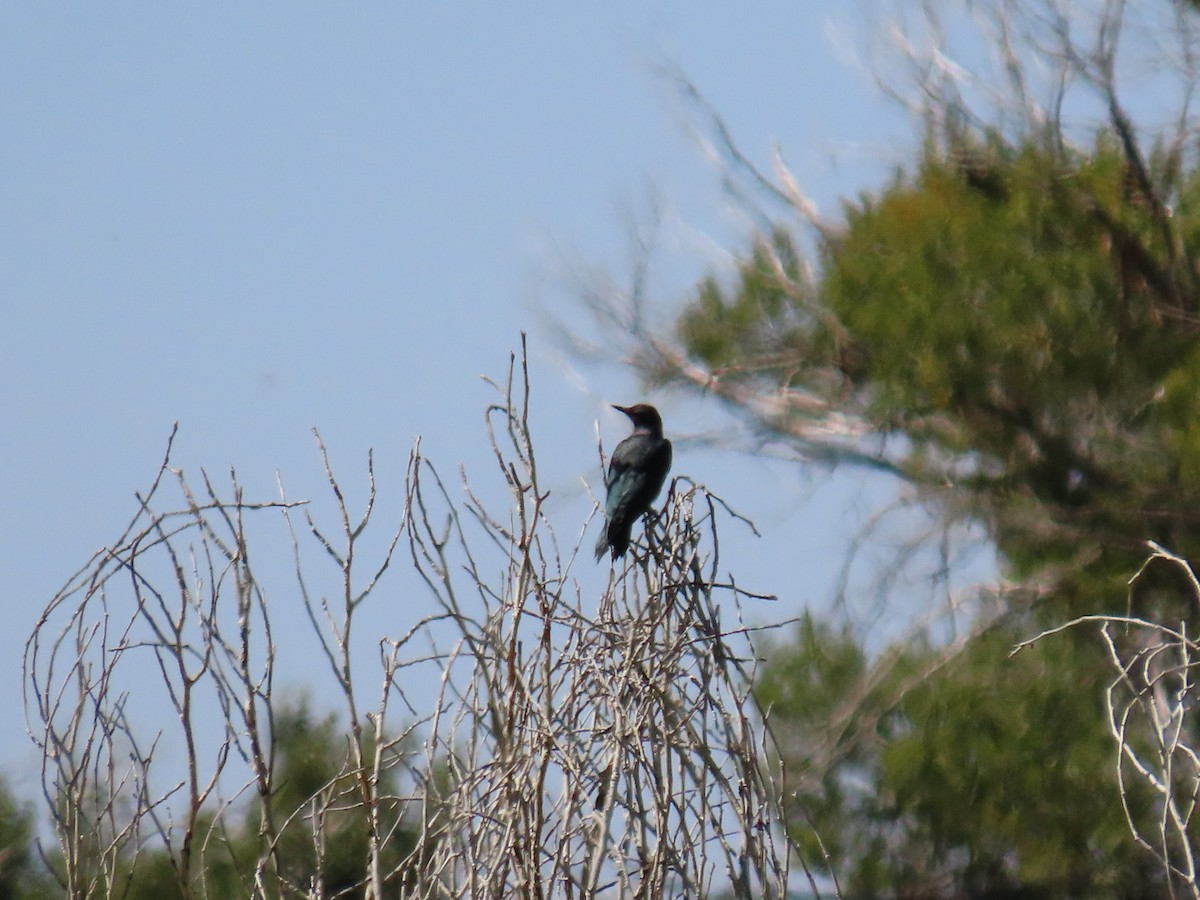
x=258, y=218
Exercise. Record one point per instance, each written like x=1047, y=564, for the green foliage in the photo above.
x=22, y=876
x=1018, y=316
x=314, y=761
x=1018, y=325
x=992, y=769
x=989, y=776
x=764, y=315
x=813, y=689
x=1003, y=297
x=1023, y=319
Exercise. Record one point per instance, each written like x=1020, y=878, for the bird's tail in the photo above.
x=602, y=544
x=614, y=537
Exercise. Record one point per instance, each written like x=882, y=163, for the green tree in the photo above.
x=22, y=874
x=312, y=764
x=1010, y=327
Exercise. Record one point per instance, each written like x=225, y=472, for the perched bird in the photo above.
x=636, y=474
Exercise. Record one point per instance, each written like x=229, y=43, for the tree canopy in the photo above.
x=1009, y=326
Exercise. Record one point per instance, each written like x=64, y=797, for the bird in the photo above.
x=636, y=473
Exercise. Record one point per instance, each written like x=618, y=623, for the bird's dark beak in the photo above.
x=624, y=409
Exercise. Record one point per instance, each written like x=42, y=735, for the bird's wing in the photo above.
x=625, y=485
x=633, y=480
x=663, y=457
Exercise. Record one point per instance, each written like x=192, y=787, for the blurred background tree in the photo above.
x=22, y=875
x=312, y=763
x=1009, y=327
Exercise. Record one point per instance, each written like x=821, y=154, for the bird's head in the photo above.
x=644, y=417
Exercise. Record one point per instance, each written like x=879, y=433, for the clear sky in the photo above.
x=258, y=218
